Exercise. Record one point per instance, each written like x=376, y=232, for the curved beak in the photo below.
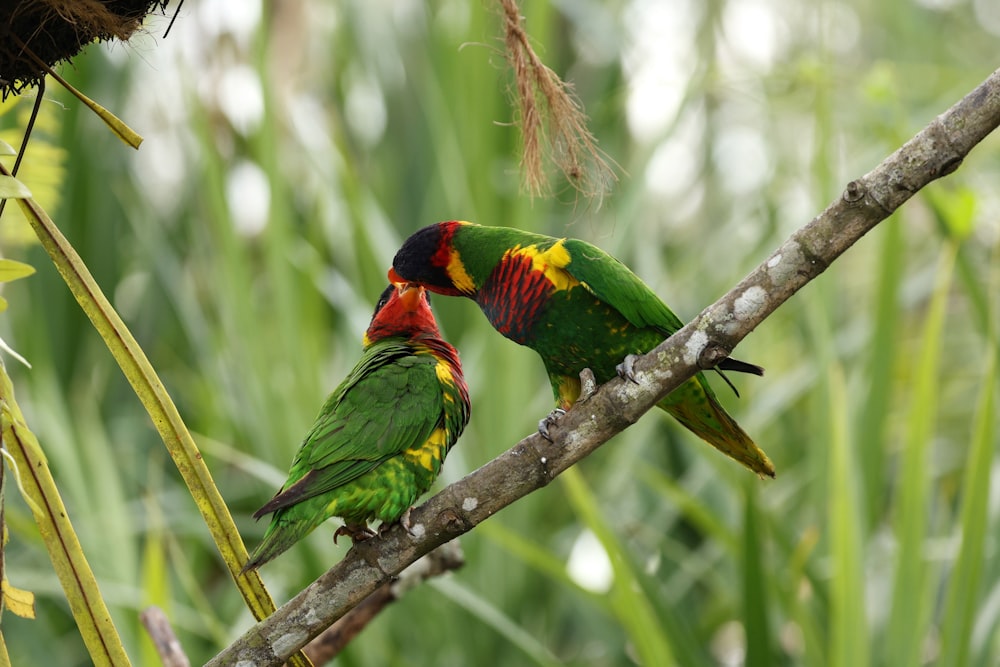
x=409, y=293
x=394, y=277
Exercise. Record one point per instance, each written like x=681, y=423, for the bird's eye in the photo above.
x=384, y=299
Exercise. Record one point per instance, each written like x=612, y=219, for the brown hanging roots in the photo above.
x=553, y=124
x=37, y=34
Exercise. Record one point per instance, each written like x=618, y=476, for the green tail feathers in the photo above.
x=694, y=405
x=280, y=535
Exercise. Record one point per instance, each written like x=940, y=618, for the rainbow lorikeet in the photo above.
x=381, y=436
x=577, y=307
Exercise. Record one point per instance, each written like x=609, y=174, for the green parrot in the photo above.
x=381, y=436
x=577, y=307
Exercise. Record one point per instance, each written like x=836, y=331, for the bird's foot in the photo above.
x=626, y=369
x=357, y=532
x=403, y=521
x=550, y=420
x=588, y=384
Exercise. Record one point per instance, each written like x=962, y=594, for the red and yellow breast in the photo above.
x=521, y=287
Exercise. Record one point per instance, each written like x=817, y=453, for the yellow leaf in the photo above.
x=12, y=270
x=124, y=132
x=20, y=602
x=7, y=149
x=11, y=188
x=43, y=170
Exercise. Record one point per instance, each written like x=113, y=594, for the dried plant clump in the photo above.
x=553, y=124
x=37, y=34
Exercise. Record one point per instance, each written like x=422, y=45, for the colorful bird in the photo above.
x=577, y=307
x=381, y=436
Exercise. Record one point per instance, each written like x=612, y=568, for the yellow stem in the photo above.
x=158, y=404
x=39, y=489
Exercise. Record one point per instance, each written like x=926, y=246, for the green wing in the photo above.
x=614, y=283
x=390, y=402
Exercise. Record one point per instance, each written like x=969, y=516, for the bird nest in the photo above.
x=37, y=34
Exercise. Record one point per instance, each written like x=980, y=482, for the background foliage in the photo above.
x=290, y=147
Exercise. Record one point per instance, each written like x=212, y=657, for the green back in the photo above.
x=614, y=283
x=481, y=249
x=390, y=402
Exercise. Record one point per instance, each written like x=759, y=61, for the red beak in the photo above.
x=394, y=277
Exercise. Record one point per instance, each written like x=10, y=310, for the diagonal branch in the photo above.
x=331, y=642
x=532, y=463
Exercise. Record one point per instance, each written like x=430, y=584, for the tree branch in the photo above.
x=332, y=641
x=532, y=463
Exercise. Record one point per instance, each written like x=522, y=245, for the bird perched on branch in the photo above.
x=381, y=436
x=577, y=307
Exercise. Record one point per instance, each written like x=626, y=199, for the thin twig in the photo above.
x=167, y=647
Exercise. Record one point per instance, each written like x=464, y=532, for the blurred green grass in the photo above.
x=878, y=408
